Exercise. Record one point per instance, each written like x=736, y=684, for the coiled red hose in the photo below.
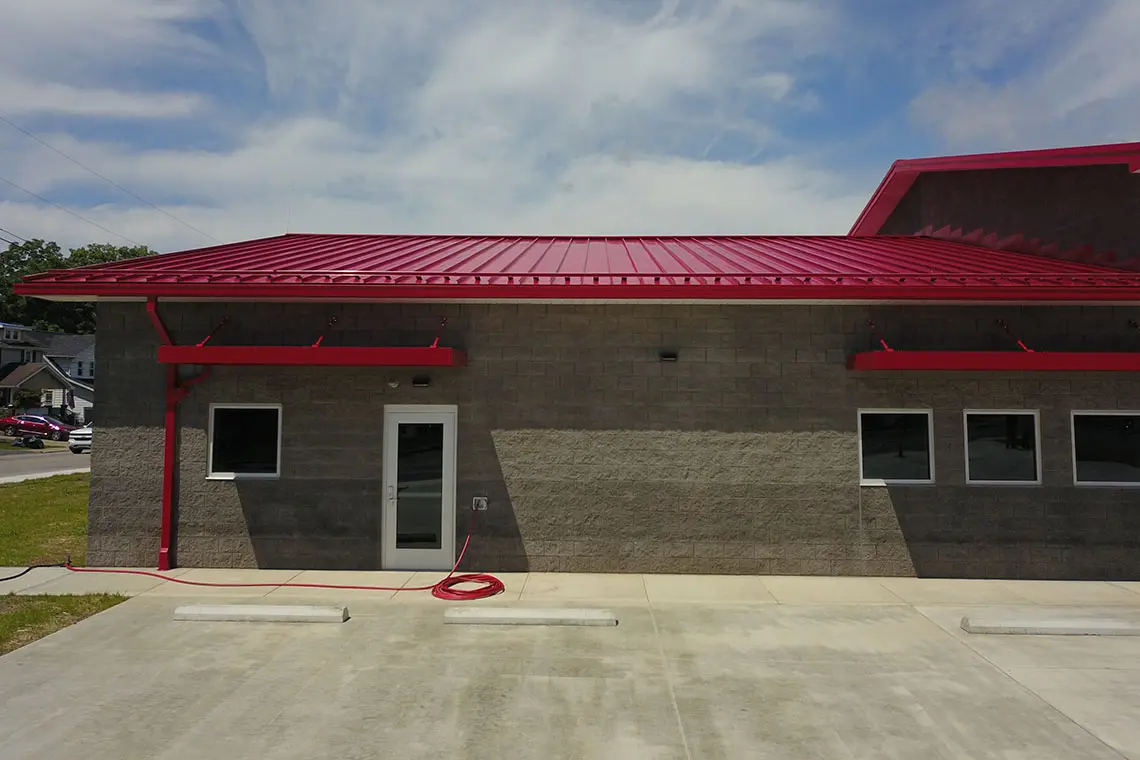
x=447, y=588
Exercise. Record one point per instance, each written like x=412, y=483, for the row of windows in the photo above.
x=1002, y=447
x=895, y=446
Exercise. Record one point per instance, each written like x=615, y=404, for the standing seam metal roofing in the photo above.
x=394, y=262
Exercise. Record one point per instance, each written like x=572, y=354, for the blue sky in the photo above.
x=249, y=117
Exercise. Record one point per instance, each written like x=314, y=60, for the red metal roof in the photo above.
x=903, y=173
x=340, y=267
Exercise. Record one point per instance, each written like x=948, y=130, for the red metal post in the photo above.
x=175, y=393
x=169, y=462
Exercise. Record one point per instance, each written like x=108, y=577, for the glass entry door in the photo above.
x=418, y=531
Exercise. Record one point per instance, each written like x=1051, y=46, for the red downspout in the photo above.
x=169, y=462
x=175, y=393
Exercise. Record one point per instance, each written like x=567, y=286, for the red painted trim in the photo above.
x=994, y=361
x=1093, y=287
x=313, y=356
x=902, y=174
x=884, y=201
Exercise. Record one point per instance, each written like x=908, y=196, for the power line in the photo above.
x=13, y=234
x=69, y=211
x=105, y=178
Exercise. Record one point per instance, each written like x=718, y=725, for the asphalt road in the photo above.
x=17, y=467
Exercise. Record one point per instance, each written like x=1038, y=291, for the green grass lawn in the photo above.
x=41, y=521
x=24, y=619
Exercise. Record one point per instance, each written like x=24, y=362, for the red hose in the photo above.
x=443, y=589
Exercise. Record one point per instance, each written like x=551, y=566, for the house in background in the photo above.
x=60, y=366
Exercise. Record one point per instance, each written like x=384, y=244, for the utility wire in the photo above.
x=13, y=234
x=105, y=178
x=69, y=211
x=6, y=240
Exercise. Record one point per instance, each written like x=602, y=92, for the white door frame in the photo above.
x=391, y=557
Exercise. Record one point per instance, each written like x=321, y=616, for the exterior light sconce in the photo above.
x=421, y=381
x=393, y=383
x=667, y=356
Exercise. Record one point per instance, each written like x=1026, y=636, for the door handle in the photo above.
x=391, y=493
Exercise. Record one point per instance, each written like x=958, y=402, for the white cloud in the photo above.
x=565, y=117
x=21, y=97
x=1075, y=77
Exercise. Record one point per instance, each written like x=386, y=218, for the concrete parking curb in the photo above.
x=1041, y=625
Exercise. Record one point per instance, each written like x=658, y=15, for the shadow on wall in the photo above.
x=335, y=523
x=972, y=532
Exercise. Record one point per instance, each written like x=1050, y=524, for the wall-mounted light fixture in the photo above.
x=393, y=383
x=421, y=381
x=667, y=355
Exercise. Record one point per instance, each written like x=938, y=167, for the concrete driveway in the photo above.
x=698, y=668
x=18, y=467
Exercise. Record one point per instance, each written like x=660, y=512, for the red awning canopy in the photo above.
x=313, y=356
x=994, y=361
x=377, y=267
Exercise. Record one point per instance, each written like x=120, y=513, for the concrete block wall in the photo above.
x=741, y=457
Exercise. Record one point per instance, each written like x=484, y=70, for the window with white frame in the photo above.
x=1106, y=448
x=1002, y=447
x=245, y=441
x=11, y=334
x=896, y=446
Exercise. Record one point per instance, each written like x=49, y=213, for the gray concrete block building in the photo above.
x=949, y=400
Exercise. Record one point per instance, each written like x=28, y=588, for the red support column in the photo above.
x=169, y=462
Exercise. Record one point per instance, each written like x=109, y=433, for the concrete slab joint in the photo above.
x=525, y=616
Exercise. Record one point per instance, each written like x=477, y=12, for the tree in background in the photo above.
x=35, y=256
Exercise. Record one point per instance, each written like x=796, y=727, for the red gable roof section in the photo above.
x=345, y=267
x=903, y=174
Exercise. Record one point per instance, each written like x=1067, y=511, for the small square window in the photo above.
x=1002, y=447
x=896, y=447
x=245, y=441
x=1106, y=448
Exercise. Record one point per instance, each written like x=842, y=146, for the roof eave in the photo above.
x=1123, y=288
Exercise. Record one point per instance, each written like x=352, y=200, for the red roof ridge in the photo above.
x=903, y=173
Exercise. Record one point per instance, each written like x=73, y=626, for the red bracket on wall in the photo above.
x=1001, y=323
x=225, y=321
x=875, y=332
x=442, y=325
x=329, y=326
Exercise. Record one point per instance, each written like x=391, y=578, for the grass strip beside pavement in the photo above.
x=43, y=520
x=24, y=619
x=50, y=447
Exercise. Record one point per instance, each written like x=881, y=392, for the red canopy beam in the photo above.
x=993, y=361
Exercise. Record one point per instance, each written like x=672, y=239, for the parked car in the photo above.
x=79, y=439
x=38, y=425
